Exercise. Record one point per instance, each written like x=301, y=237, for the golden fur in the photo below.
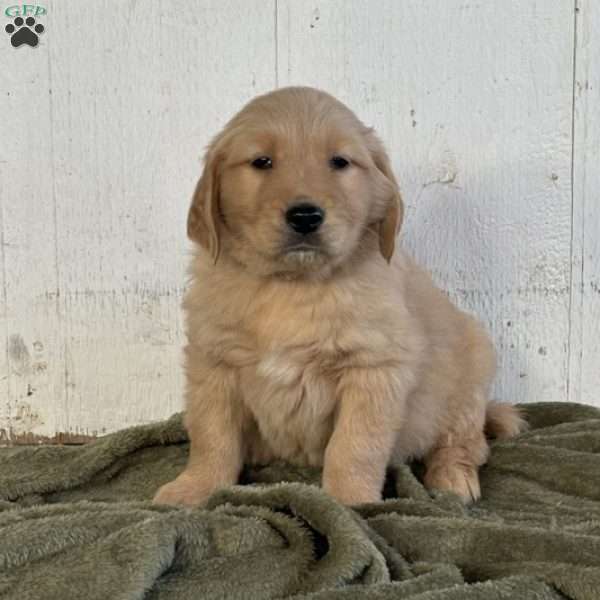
x=328, y=355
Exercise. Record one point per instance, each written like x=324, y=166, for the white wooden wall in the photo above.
x=491, y=113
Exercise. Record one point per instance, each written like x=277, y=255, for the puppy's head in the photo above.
x=295, y=183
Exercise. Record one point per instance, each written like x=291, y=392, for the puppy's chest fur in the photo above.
x=290, y=347
x=291, y=403
x=289, y=388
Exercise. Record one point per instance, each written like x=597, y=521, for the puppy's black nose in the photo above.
x=304, y=218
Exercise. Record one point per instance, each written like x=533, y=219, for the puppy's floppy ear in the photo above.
x=390, y=225
x=203, y=215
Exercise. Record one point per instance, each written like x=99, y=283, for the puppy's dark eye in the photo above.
x=262, y=162
x=337, y=163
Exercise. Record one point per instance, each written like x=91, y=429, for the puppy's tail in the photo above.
x=503, y=421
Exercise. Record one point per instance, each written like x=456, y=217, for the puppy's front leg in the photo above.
x=213, y=421
x=369, y=407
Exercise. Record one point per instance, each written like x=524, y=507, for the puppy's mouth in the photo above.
x=303, y=248
x=303, y=254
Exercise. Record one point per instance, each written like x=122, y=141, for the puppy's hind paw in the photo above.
x=462, y=480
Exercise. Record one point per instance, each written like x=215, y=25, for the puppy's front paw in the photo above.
x=463, y=480
x=186, y=490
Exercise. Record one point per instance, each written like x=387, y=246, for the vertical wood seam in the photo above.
x=5, y=300
x=276, y=5
x=56, y=237
x=576, y=295
x=572, y=169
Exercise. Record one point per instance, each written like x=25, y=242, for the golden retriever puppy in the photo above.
x=309, y=338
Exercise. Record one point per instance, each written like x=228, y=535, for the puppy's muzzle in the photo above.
x=304, y=218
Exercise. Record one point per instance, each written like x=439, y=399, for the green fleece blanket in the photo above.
x=76, y=522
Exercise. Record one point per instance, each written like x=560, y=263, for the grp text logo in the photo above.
x=24, y=10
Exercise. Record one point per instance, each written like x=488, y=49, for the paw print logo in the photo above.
x=24, y=32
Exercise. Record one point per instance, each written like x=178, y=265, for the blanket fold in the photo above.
x=77, y=522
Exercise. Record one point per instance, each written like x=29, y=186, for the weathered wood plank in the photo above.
x=584, y=380
x=31, y=320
